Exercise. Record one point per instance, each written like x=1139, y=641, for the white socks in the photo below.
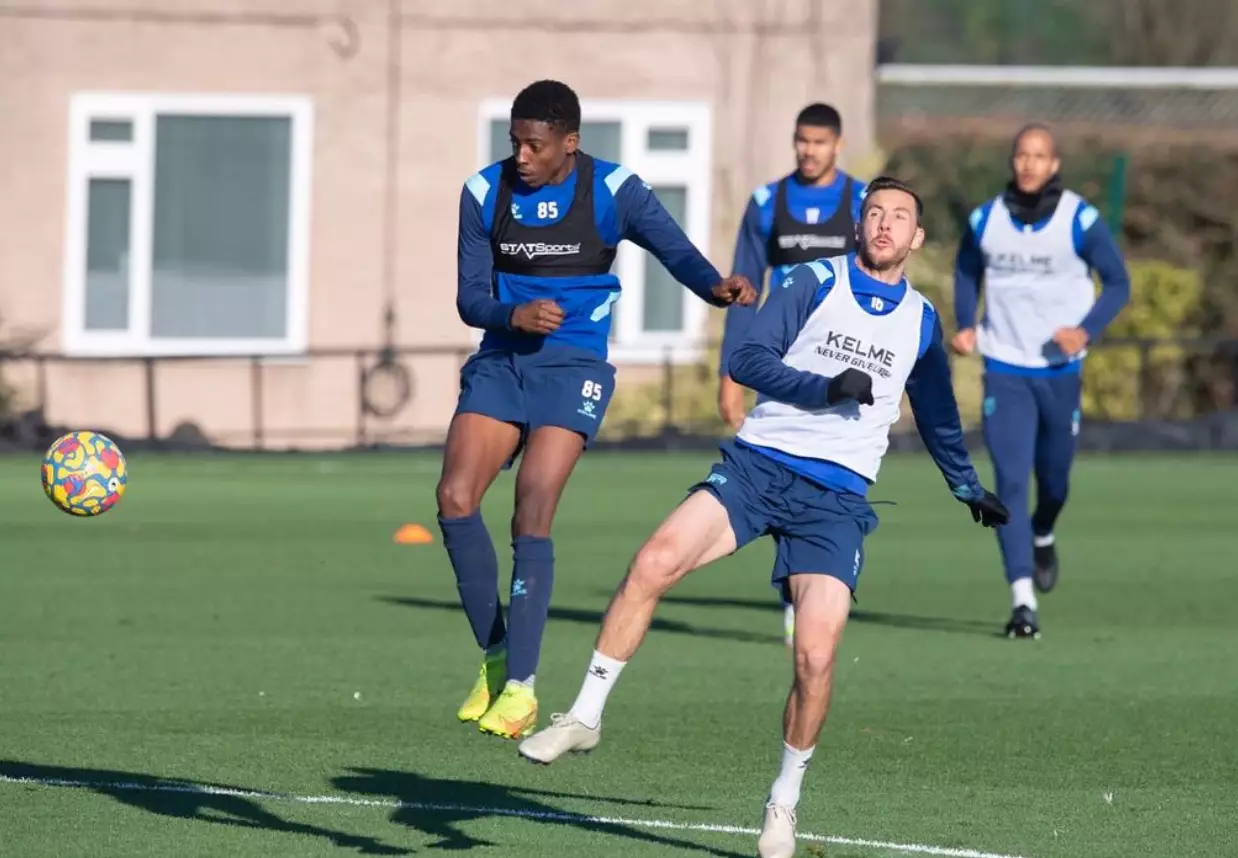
x=1023, y=593
x=599, y=680
x=786, y=789
x=1043, y=541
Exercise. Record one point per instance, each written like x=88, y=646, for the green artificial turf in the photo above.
x=248, y=622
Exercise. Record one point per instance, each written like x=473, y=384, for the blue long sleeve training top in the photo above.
x=807, y=204
x=624, y=208
x=1093, y=243
x=757, y=362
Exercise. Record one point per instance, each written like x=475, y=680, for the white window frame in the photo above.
x=134, y=160
x=690, y=168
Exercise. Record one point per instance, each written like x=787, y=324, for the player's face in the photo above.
x=542, y=151
x=889, y=230
x=816, y=150
x=1034, y=161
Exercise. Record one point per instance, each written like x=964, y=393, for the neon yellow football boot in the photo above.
x=513, y=715
x=489, y=683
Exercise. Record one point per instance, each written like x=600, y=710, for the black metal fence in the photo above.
x=1146, y=393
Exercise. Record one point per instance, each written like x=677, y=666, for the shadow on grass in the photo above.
x=185, y=799
x=594, y=618
x=858, y=615
x=439, y=807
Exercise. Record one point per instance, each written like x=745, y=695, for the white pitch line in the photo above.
x=545, y=816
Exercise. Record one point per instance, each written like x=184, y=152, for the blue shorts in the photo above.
x=551, y=387
x=816, y=530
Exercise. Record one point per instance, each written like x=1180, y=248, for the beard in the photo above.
x=884, y=259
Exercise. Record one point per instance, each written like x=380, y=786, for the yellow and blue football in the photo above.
x=84, y=473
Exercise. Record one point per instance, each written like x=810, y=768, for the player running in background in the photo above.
x=830, y=354
x=806, y=215
x=1035, y=247
x=538, y=234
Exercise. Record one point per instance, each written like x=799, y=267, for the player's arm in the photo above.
x=1096, y=247
x=968, y=271
x=756, y=360
x=475, y=299
x=936, y=412
x=751, y=260
x=642, y=219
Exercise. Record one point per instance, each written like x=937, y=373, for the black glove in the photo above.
x=850, y=384
x=988, y=510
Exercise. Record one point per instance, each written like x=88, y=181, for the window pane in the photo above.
x=107, y=255
x=500, y=143
x=599, y=139
x=664, y=296
x=668, y=139
x=602, y=140
x=220, y=252
x=111, y=130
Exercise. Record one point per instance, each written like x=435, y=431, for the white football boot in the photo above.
x=564, y=735
x=778, y=832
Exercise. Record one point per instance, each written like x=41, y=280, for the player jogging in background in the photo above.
x=807, y=215
x=830, y=354
x=538, y=233
x=1034, y=247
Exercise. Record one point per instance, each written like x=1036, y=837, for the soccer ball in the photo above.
x=84, y=473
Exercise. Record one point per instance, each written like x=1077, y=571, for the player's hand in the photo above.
x=851, y=383
x=1070, y=340
x=988, y=510
x=731, y=402
x=964, y=342
x=735, y=289
x=541, y=316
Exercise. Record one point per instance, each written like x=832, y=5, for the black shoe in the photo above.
x=1023, y=624
x=1044, y=570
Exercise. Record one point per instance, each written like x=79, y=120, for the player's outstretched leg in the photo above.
x=822, y=604
x=695, y=534
x=1055, y=450
x=477, y=448
x=1010, y=428
x=549, y=457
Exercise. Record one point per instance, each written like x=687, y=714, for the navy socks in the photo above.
x=533, y=579
x=472, y=556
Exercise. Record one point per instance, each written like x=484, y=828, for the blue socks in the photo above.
x=472, y=556
x=533, y=578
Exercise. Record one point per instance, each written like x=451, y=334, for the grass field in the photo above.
x=238, y=661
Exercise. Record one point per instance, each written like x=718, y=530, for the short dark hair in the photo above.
x=551, y=102
x=820, y=115
x=889, y=183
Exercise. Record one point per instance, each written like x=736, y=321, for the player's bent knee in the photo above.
x=813, y=664
x=456, y=499
x=656, y=567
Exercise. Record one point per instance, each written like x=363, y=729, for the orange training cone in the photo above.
x=413, y=534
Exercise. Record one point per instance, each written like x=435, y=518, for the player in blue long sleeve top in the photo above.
x=537, y=240
x=830, y=354
x=808, y=214
x=1034, y=248
x=803, y=216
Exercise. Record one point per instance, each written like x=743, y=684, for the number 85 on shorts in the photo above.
x=572, y=397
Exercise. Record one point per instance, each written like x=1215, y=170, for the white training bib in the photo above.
x=840, y=335
x=1034, y=283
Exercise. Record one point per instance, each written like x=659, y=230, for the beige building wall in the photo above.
x=755, y=64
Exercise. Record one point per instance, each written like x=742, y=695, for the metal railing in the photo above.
x=385, y=400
